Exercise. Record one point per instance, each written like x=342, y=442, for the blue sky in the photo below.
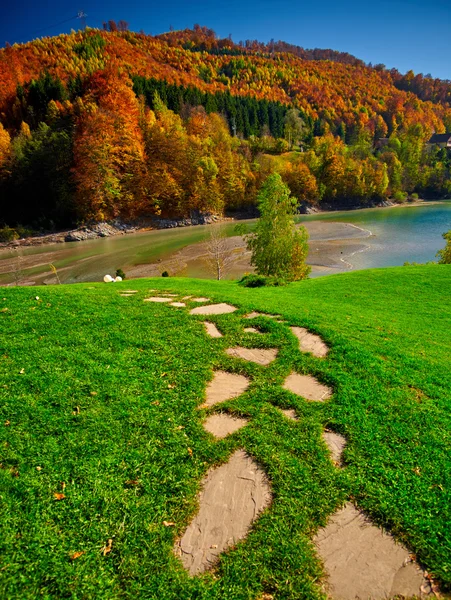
x=406, y=34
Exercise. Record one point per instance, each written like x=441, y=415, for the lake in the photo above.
x=379, y=237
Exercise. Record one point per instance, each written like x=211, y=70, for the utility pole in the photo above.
x=82, y=16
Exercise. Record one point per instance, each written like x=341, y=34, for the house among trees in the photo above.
x=442, y=140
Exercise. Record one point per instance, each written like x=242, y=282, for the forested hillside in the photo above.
x=102, y=124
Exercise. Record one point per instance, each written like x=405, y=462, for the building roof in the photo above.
x=440, y=138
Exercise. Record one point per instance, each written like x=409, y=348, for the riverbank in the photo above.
x=331, y=247
x=118, y=227
x=339, y=241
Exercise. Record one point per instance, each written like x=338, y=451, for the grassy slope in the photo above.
x=109, y=393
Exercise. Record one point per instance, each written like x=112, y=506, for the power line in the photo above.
x=80, y=15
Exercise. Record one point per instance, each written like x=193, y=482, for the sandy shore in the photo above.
x=332, y=246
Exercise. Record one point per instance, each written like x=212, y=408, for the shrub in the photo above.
x=254, y=281
x=444, y=255
x=8, y=234
x=400, y=197
x=165, y=274
x=120, y=273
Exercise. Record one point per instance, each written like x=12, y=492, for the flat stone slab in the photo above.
x=225, y=386
x=336, y=444
x=124, y=295
x=261, y=356
x=157, y=299
x=254, y=314
x=251, y=330
x=232, y=497
x=308, y=387
x=178, y=304
x=200, y=299
x=186, y=297
x=212, y=330
x=222, y=425
x=310, y=342
x=290, y=413
x=130, y=291
x=364, y=562
x=213, y=309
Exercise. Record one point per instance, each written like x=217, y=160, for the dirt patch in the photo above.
x=178, y=304
x=222, y=425
x=290, y=413
x=261, y=356
x=309, y=342
x=225, y=386
x=212, y=330
x=251, y=330
x=362, y=561
x=307, y=386
x=213, y=309
x=157, y=299
x=232, y=497
x=336, y=444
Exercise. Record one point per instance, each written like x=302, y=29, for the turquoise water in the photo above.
x=399, y=234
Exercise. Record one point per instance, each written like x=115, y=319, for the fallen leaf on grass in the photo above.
x=168, y=523
x=93, y=393
x=76, y=410
x=156, y=403
x=171, y=386
x=59, y=496
x=7, y=423
x=76, y=555
x=190, y=452
x=4, y=310
x=108, y=547
x=132, y=482
x=38, y=468
x=22, y=371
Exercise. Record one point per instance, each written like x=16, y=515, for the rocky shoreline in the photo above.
x=111, y=228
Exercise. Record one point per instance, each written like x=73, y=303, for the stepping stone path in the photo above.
x=232, y=497
x=222, y=425
x=212, y=330
x=124, y=295
x=130, y=291
x=309, y=342
x=158, y=299
x=261, y=356
x=336, y=444
x=177, y=304
x=290, y=413
x=225, y=386
x=308, y=387
x=362, y=561
x=213, y=309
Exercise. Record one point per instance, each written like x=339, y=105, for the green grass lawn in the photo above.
x=99, y=398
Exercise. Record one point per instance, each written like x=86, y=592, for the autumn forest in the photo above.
x=105, y=124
